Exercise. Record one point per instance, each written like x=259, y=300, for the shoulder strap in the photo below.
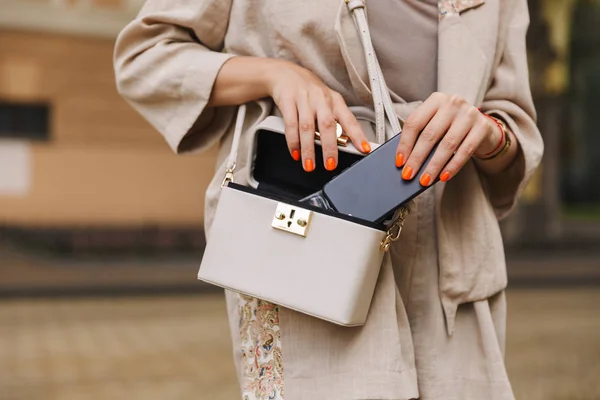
x=381, y=96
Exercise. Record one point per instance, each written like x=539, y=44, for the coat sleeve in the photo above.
x=166, y=62
x=509, y=98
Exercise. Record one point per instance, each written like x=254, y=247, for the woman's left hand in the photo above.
x=461, y=130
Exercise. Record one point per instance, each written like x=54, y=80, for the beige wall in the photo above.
x=104, y=164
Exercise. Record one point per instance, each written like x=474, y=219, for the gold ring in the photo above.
x=342, y=140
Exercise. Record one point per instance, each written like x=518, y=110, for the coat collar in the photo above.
x=461, y=63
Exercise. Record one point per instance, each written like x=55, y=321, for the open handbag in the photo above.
x=309, y=259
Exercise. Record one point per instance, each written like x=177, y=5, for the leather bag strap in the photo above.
x=382, y=102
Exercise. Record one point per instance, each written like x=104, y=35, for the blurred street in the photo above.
x=177, y=347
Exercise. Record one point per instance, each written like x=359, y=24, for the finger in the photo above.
x=416, y=122
x=432, y=133
x=306, y=120
x=448, y=146
x=350, y=124
x=289, y=112
x=327, y=128
x=465, y=151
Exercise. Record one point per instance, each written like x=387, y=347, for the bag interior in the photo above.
x=278, y=173
x=281, y=178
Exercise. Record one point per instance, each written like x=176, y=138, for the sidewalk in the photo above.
x=178, y=347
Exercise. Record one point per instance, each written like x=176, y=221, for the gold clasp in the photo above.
x=292, y=219
x=395, y=229
x=228, y=176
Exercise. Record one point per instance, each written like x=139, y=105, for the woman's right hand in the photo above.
x=303, y=98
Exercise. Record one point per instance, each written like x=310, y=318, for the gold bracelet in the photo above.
x=507, y=141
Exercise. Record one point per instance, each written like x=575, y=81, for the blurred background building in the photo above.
x=85, y=159
x=92, y=201
x=80, y=171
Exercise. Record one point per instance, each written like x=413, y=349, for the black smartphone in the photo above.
x=373, y=188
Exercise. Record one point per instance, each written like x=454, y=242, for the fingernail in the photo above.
x=296, y=155
x=309, y=165
x=330, y=164
x=425, y=179
x=407, y=173
x=445, y=177
x=366, y=147
x=399, y=160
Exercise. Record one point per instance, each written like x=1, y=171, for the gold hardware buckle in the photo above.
x=292, y=219
x=228, y=176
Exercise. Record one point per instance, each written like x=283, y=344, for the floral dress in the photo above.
x=261, y=350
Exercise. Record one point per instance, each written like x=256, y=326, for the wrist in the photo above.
x=493, y=141
x=241, y=79
x=269, y=77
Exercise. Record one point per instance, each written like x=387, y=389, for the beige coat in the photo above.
x=166, y=62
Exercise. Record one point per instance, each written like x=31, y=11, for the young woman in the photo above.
x=458, y=75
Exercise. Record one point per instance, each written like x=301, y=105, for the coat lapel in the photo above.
x=462, y=65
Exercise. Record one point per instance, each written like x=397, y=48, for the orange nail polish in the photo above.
x=425, y=179
x=399, y=160
x=366, y=147
x=330, y=164
x=445, y=177
x=407, y=173
x=296, y=155
x=309, y=165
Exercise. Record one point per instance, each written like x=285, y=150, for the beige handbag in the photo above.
x=314, y=261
